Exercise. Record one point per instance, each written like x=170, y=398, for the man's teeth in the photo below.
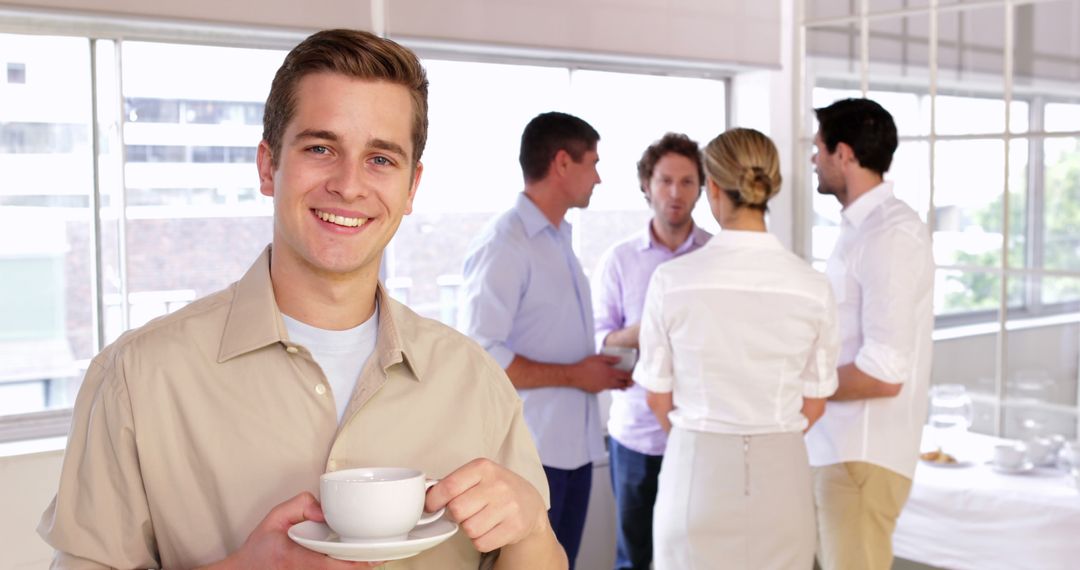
x=340, y=220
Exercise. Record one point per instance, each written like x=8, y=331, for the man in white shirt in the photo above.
x=864, y=449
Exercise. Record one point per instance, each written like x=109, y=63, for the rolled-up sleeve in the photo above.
x=608, y=314
x=819, y=377
x=655, y=369
x=890, y=295
x=100, y=517
x=495, y=277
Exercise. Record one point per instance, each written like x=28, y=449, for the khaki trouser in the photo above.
x=857, y=507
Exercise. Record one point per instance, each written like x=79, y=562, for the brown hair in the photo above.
x=744, y=163
x=673, y=143
x=353, y=53
x=547, y=134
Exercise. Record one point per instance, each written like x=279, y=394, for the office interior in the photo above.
x=128, y=186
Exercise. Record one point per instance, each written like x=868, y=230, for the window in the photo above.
x=471, y=170
x=46, y=332
x=992, y=161
x=99, y=251
x=78, y=275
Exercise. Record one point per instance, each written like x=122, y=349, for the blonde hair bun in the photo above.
x=746, y=162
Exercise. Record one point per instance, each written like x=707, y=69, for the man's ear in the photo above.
x=561, y=162
x=264, y=160
x=417, y=172
x=845, y=153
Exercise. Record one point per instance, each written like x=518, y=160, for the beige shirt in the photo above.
x=187, y=431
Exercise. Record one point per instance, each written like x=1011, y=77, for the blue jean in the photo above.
x=569, y=503
x=634, y=481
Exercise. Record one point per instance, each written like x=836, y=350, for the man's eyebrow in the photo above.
x=388, y=146
x=316, y=134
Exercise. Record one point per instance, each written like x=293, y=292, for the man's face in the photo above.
x=673, y=190
x=344, y=177
x=827, y=167
x=581, y=177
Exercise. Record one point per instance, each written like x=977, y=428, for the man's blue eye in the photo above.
x=382, y=160
x=319, y=149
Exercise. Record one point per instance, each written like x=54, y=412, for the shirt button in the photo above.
x=320, y=389
x=292, y=349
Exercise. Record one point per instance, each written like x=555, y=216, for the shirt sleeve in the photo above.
x=655, y=370
x=819, y=376
x=494, y=281
x=100, y=517
x=891, y=278
x=608, y=315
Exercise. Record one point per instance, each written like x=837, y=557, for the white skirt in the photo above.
x=733, y=501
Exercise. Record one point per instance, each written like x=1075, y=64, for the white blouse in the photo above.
x=741, y=331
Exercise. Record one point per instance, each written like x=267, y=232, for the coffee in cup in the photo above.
x=1009, y=455
x=375, y=503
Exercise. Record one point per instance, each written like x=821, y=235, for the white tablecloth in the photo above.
x=973, y=517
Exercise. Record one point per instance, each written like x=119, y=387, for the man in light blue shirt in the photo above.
x=527, y=302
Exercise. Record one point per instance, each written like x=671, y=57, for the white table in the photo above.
x=973, y=517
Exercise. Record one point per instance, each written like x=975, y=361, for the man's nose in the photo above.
x=348, y=181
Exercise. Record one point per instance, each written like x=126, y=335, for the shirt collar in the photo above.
x=531, y=217
x=857, y=211
x=744, y=239
x=254, y=321
x=698, y=237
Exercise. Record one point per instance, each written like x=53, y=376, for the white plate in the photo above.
x=1025, y=467
x=958, y=463
x=318, y=537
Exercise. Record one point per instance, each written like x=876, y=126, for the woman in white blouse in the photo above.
x=738, y=353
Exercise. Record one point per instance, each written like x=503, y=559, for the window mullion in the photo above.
x=1036, y=206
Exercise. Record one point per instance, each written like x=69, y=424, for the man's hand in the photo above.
x=597, y=373
x=497, y=508
x=269, y=546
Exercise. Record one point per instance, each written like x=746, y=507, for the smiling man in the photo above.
x=670, y=176
x=198, y=439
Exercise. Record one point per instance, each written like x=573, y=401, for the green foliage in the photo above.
x=1061, y=247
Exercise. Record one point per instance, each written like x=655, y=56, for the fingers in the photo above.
x=300, y=508
x=456, y=483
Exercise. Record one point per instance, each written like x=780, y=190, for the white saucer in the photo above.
x=958, y=463
x=1024, y=467
x=318, y=537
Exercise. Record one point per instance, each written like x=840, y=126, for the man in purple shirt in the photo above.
x=671, y=178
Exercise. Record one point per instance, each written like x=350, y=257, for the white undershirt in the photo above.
x=340, y=354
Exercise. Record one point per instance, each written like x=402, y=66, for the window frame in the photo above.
x=1051, y=91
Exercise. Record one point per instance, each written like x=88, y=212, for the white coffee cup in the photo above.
x=375, y=503
x=1009, y=455
x=1041, y=451
x=1070, y=455
x=627, y=356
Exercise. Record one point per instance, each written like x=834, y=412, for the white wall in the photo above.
x=27, y=484
x=727, y=31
